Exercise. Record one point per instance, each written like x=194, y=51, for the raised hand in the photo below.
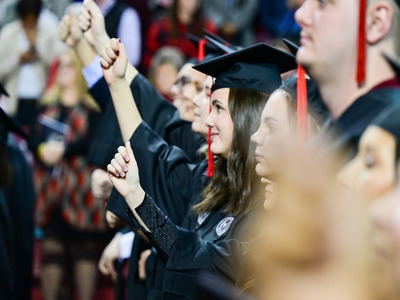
x=114, y=62
x=91, y=22
x=69, y=30
x=124, y=174
x=100, y=184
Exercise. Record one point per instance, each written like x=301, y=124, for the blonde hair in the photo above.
x=53, y=93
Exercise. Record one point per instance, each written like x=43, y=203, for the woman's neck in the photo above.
x=69, y=97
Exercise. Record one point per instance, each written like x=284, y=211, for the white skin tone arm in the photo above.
x=124, y=174
x=70, y=33
x=91, y=22
x=114, y=62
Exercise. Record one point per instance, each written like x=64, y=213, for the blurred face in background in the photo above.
x=188, y=6
x=273, y=133
x=29, y=21
x=189, y=83
x=201, y=109
x=165, y=76
x=372, y=172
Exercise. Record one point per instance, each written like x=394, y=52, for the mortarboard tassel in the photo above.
x=302, y=125
x=362, y=44
x=210, y=168
x=201, y=52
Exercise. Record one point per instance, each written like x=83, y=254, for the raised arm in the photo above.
x=114, y=63
x=70, y=33
x=185, y=250
x=91, y=22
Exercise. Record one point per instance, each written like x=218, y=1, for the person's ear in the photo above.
x=379, y=18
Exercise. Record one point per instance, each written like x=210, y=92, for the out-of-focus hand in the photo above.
x=91, y=21
x=113, y=221
x=28, y=56
x=69, y=30
x=109, y=256
x=52, y=153
x=142, y=264
x=100, y=184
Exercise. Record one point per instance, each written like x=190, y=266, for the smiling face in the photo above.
x=201, y=109
x=273, y=133
x=372, y=172
x=328, y=34
x=189, y=83
x=221, y=123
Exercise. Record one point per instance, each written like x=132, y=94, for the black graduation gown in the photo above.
x=344, y=134
x=21, y=200
x=158, y=113
x=7, y=258
x=212, y=242
x=165, y=173
x=164, y=119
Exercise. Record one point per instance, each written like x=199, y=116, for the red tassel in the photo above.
x=302, y=112
x=201, y=52
x=210, y=167
x=362, y=44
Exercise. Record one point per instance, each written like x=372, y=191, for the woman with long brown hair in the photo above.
x=210, y=235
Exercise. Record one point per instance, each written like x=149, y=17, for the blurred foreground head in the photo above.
x=315, y=243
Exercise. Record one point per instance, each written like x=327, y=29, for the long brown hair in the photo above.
x=235, y=185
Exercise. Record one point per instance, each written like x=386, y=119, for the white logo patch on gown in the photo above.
x=224, y=225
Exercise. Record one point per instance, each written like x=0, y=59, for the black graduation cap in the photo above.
x=3, y=91
x=221, y=46
x=292, y=46
x=257, y=67
x=211, y=46
x=219, y=39
x=316, y=106
x=208, y=47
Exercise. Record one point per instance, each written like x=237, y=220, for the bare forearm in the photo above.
x=128, y=115
x=131, y=73
x=84, y=52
